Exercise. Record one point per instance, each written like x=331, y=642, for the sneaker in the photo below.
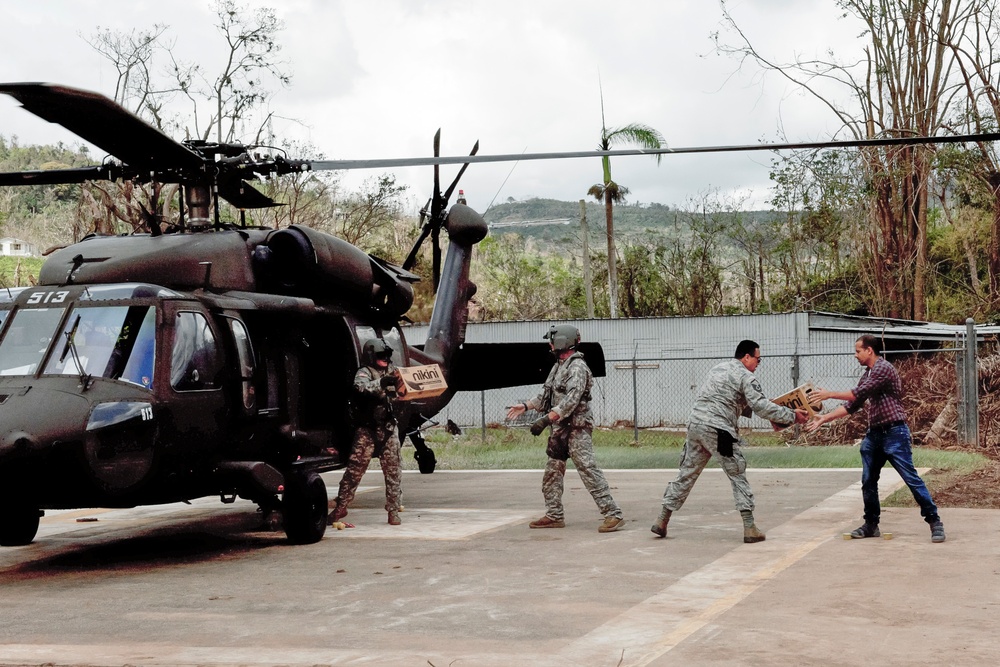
x=546, y=522
x=937, y=532
x=865, y=530
x=611, y=524
x=394, y=518
x=753, y=534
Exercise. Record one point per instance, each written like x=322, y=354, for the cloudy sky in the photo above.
x=376, y=78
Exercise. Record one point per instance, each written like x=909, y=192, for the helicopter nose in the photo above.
x=15, y=443
x=30, y=419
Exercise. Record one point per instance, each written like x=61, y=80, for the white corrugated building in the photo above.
x=654, y=366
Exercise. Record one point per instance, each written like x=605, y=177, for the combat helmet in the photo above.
x=374, y=349
x=563, y=337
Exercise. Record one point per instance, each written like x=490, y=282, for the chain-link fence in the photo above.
x=657, y=392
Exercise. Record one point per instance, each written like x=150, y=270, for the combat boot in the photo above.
x=660, y=527
x=546, y=522
x=611, y=524
x=751, y=533
x=394, y=518
x=336, y=515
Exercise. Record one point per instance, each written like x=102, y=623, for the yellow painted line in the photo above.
x=652, y=628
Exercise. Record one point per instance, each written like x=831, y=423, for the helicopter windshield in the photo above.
x=115, y=342
x=28, y=335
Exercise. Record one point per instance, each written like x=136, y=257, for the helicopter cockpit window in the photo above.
x=195, y=361
x=245, y=353
x=394, y=340
x=115, y=342
x=26, y=339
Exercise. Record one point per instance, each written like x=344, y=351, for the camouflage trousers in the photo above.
x=581, y=450
x=365, y=441
x=702, y=444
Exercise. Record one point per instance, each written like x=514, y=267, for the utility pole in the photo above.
x=588, y=287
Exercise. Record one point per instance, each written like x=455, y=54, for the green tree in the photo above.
x=515, y=284
x=612, y=193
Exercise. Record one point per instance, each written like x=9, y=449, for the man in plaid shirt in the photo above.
x=887, y=439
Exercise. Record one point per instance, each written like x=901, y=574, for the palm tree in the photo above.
x=612, y=193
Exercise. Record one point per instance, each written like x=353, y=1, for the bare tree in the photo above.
x=977, y=52
x=132, y=54
x=899, y=85
x=233, y=99
x=362, y=215
x=239, y=87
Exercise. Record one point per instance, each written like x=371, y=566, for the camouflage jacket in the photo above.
x=567, y=392
x=732, y=391
x=371, y=406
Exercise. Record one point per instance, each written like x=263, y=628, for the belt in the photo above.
x=887, y=426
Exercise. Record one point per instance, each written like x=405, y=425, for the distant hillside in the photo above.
x=550, y=221
x=531, y=218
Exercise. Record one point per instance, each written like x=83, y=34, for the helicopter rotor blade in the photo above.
x=436, y=197
x=425, y=229
x=437, y=216
x=514, y=157
x=442, y=202
x=105, y=124
x=451, y=188
x=58, y=176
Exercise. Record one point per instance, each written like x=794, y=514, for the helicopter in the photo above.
x=213, y=359
x=216, y=359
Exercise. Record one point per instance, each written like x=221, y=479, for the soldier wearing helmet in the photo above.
x=371, y=412
x=565, y=402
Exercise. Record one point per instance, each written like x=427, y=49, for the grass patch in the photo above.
x=27, y=274
x=516, y=448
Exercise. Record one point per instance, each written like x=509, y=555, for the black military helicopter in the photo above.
x=215, y=359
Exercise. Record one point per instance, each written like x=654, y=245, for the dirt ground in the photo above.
x=978, y=490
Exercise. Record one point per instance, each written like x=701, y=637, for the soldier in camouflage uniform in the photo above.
x=565, y=400
x=376, y=430
x=730, y=391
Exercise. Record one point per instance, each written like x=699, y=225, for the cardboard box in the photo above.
x=799, y=398
x=422, y=382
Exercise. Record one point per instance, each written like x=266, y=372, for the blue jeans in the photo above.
x=891, y=444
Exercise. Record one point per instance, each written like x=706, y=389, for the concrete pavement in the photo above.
x=464, y=582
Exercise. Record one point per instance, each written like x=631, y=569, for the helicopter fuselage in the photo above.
x=229, y=375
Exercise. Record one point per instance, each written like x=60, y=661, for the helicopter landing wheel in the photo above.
x=19, y=526
x=304, y=506
x=426, y=461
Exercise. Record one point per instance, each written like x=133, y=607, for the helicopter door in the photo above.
x=197, y=405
